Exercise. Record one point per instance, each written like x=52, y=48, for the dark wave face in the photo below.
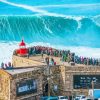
x=55, y=30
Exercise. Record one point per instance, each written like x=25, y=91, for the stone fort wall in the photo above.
x=65, y=74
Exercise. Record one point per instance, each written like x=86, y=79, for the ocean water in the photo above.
x=63, y=24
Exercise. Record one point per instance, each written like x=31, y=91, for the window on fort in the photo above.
x=85, y=81
x=26, y=87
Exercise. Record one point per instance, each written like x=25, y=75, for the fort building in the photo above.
x=32, y=78
x=21, y=84
x=31, y=81
x=73, y=79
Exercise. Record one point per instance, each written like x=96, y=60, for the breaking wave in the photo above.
x=70, y=30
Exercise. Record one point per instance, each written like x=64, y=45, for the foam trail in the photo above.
x=96, y=20
x=70, y=5
x=41, y=11
x=33, y=9
x=24, y=6
x=47, y=28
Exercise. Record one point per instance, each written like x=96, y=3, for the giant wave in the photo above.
x=66, y=31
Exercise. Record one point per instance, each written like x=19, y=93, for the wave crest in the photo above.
x=68, y=31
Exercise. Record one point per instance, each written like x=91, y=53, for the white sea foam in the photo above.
x=6, y=50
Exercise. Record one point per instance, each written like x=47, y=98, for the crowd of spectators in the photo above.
x=6, y=66
x=66, y=55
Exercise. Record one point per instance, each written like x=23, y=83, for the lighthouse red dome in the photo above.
x=22, y=43
x=22, y=51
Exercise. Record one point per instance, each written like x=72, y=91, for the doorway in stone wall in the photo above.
x=45, y=89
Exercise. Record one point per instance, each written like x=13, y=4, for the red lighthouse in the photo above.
x=22, y=51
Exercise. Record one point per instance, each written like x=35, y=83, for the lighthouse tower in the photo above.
x=23, y=51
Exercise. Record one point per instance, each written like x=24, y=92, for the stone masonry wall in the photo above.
x=56, y=78
x=26, y=76
x=4, y=85
x=86, y=70
x=62, y=75
x=23, y=61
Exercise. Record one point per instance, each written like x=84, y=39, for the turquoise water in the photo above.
x=60, y=30
x=65, y=23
